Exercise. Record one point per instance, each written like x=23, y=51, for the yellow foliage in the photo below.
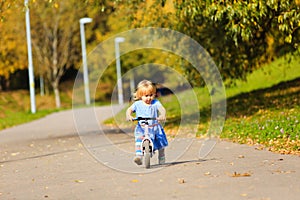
x=151, y=11
x=13, y=41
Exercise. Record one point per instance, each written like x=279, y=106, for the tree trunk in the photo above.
x=4, y=83
x=56, y=94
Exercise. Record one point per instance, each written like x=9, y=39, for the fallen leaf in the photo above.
x=236, y=174
x=15, y=154
x=207, y=173
x=134, y=181
x=79, y=181
x=181, y=180
x=259, y=148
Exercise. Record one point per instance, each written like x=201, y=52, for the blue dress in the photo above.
x=156, y=131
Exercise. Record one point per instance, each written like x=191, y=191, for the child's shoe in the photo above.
x=161, y=156
x=138, y=160
x=161, y=160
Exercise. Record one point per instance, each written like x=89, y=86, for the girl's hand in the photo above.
x=129, y=118
x=162, y=114
x=128, y=114
x=161, y=118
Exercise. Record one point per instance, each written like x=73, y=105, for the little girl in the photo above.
x=147, y=106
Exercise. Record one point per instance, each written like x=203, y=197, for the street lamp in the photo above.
x=30, y=65
x=83, y=21
x=118, y=65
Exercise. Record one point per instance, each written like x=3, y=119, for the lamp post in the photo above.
x=83, y=21
x=118, y=66
x=30, y=65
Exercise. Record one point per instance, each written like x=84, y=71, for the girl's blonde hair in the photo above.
x=144, y=87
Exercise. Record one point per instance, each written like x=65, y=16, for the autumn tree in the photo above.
x=240, y=35
x=12, y=34
x=56, y=39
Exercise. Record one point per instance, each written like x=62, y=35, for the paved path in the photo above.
x=48, y=159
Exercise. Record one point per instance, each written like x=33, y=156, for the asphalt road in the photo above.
x=70, y=155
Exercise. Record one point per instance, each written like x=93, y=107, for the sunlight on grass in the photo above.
x=281, y=70
x=15, y=107
x=265, y=109
x=20, y=117
x=277, y=130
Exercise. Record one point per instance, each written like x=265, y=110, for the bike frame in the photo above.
x=147, y=137
x=147, y=143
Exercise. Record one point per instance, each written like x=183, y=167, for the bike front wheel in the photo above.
x=147, y=153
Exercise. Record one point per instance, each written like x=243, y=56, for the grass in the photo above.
x=270, y=117
x=15, y=107
x=21, y=117
x=265, y=110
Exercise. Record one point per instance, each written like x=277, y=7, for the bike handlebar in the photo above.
x=144, y=118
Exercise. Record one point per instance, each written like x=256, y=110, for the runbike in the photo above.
x=146, y=144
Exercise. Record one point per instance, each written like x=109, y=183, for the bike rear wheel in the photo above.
x=147, y=153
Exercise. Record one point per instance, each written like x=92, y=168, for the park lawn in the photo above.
x=270, y=117
x=15, y=107
x=265, y=110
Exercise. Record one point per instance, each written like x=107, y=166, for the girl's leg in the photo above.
x=138, y=145
x=161, y=156
x=138, y=149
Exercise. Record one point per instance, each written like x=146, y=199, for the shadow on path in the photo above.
x=169, y=164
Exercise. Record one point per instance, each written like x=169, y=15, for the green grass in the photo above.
x=18, y=117
x=267, y=116
x=15, y=107
x=265, y=110
x=277, y=130
x=281, y=70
